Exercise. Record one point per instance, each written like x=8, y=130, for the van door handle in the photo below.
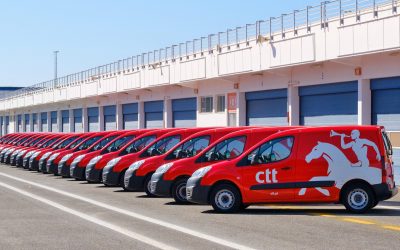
x=286, y=168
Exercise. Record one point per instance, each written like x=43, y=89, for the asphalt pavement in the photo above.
x=40, y=211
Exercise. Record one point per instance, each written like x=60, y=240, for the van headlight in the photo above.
x=164, y=168
x=136, y=165
x=53, y=156
x=95, y=160
x=22, y=152
x=44, y=156
x=66, y=157
x=36, y=153
x=111, y=164
x=78, y=159
x=201, y=171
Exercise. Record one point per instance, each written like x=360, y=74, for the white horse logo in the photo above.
x=340, y=169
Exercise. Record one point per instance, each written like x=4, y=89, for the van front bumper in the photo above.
x=197, y=193
x=159, y=186
x=78, y=173
x=111, y=178
x=133, y=182
x=92, y=174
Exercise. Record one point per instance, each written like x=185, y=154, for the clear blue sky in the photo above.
x=89, y=33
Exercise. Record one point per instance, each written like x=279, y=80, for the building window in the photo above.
x=206, y=104
x=221, y=103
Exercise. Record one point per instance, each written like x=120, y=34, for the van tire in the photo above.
x=177, y=189
x=121, y=180
x=226, y=198
x=146, y=186
x=358, y=198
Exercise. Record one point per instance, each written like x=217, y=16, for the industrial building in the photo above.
x=334, y=63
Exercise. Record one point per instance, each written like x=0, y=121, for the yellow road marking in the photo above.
x=364, y=222
x=327, y=215
x=392, y=228
x=338, y=217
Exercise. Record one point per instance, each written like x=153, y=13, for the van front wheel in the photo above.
x=226, y=198
x=358, y=198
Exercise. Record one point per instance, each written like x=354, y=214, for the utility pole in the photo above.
x=55, y=67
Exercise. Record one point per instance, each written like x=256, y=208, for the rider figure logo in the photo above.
x=359, y=147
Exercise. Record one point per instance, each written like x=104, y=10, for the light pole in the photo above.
x=55, y=66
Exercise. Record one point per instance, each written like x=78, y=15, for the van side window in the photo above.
x=271, y=151
x=388, y=145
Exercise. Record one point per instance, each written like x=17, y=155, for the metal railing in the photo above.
x=274, y=26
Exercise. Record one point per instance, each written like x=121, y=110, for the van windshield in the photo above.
x=75, y=143
x=190, y=148
x=118, y=144
x=89, y=143
x=139, y=144
x=48, y=143
x=65, y=142
x=99, y=145
x=162, y=146
x=227, y=149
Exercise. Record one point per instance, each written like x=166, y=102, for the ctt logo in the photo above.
x=267, y=176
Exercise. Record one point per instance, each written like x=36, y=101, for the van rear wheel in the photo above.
x=226, y=198
x=358, y=198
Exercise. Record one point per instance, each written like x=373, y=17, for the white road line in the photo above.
x=99, y=222
x=388, y=207
x=168, y=225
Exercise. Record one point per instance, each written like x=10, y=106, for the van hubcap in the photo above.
x=181, y=192
x=225, y=199
x=358, y=198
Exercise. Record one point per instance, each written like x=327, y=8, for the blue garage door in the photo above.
x=78, y=125
x=154, y=114
x=1, y=126
x=385, y=94
x=110, y=122
x=268, y=107
x=35, y=122
x=93, y=119
x=7, y=124
x=130, y=116
x=65, y=120
x=27, y=125
x=19, y=123
x=53, y=121
x=184, y=113
x=329, y=104
x=43, y=120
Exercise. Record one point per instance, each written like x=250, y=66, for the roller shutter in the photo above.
x=53, y=121
x=184, y=112
x=35, y=122
x=268, y=107
x=65, y=120
x=78, y=125
x=43, y=120
x=130, y=116
x=7, y=124
x=19, y=123
x=110, y=122
x=329, y=104
x=27, y=125
x=154, y=114
x=385, y=97
x=93, y=119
